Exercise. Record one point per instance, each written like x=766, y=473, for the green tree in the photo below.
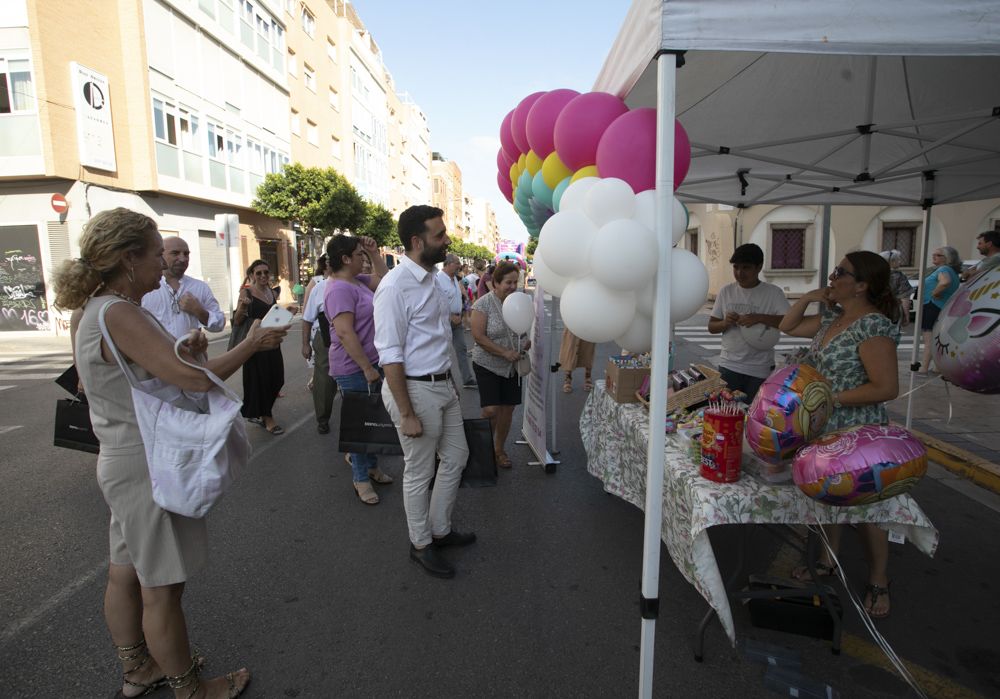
x=470, y=251
x=380, y=225
x=532, y=245
x=311, y=197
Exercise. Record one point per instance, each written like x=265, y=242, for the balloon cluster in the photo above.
x=580, y=172
x=515, y=257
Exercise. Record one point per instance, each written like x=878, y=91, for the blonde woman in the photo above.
x=153, y=552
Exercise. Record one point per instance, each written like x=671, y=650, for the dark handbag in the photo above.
x=365, y=425
x=238, y=332
x=324, y=328
x=72, y=428
x=481, y=468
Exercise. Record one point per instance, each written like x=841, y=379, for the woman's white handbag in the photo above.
x=196, y=443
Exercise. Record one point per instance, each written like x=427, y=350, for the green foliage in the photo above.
x=312, y=197
x=532, y=245
x=380, y=225
x=469, y=251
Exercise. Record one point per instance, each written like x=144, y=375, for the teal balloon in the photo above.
x=543, y=194
x=524, y=182
x=521, y=206
x=522, y=195
x=558, y=192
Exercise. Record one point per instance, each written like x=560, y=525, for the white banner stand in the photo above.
x=533, y=426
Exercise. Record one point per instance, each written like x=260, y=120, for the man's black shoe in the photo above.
x=323, y=428
x=454, y=538
x=432, y=561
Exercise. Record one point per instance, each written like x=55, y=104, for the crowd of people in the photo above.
x=400, y=334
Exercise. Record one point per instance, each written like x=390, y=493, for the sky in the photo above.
x=467, y=63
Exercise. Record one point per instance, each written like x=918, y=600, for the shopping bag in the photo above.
x=365, y=425
x=72, y=426
x=481, y=468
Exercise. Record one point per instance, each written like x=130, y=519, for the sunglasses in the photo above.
x=839, y=272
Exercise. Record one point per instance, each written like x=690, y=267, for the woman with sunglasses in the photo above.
x=854, y=346
x=264, y=372
x=938, y=288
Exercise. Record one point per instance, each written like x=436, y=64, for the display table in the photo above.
x=615, y=438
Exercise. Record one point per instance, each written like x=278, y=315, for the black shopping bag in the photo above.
x=365, y=425
x=481, y=468
x=72, y=428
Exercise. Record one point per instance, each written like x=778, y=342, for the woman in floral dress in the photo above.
x=854, y=347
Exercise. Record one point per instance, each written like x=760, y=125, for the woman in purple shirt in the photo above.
x=348, y=304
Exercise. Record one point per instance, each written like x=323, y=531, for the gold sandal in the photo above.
x=366, y=493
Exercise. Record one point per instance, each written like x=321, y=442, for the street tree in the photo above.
x=380, y=225
x=311, y=197
x=469, y=251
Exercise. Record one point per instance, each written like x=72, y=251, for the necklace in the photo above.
x=126, y=297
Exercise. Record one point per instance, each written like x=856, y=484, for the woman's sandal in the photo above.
x=588, y=384
x=503, y=461
x=191, y=679
x=366, y=493
x=379, y=477
x=872, y=593
x=568, y=385
x=823, y=570
x=141, y=653
x=275, y=429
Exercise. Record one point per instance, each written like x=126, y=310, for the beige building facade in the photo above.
x=481, y=222
x=446, y=179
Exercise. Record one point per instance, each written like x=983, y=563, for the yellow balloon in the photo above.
x=515, y=174
x=553, y=170
x=522, y=162
x=589, y=171
x=533, y=162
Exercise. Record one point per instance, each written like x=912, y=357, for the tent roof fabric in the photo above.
x=806, y=101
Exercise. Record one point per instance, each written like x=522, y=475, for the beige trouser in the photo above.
x=428, y=514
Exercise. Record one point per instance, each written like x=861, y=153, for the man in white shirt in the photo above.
x=316, y=347
x=447, y=279
x=182, y=303
x=988, y=245
x=413, y=339
x=744, y=303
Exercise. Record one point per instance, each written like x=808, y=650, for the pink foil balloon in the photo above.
x=861, y=465
x=790, y=409
x=542, y=120
x=580, y=125
x=628, y=150
x=966, y=340
x=518, y=122
x=507, y=144
x=503, y=182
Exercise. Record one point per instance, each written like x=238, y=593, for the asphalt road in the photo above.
x=315, y=593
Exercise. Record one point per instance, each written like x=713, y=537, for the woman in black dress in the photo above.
x=264, y=372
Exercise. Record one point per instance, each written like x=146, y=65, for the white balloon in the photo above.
x=595, y=313
x=645, y=298
x=639, y=336
x=610, y=199
x=624, y=255
x=575, y=196
x=518, y=312
x=547, y=279
x=565, y=243
x=645, y=213
x=688, y=285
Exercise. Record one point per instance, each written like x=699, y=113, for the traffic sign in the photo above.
x=59, y=203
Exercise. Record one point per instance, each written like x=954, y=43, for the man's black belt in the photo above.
x=430, y=377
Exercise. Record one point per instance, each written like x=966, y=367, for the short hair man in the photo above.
x=413, y=338
x=988, y=245
x=182, y=303
x=316, y=347
x=454, y=292
x=747, y=301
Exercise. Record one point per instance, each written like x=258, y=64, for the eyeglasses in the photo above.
x=839, y=272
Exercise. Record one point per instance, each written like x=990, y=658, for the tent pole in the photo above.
x=919, y=302
x=666, y=71
x=824, y=253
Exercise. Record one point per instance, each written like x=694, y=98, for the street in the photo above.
x=314, y=591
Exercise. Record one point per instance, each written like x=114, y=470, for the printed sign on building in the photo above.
x=94, y=133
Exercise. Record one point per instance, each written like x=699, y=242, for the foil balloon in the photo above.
x=966, y=342
x=860, y=466
x=790, y=410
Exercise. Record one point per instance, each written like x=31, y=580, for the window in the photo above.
x=296, y=123
x=164, y=122
x=263, y=25
x=226, y=14
x=190, y=138
x=331, y=49
x=900, y=236
x=788, y=247
x=208, y=7
x=293, y=63
x=256, y=152
x=309, y=76
x=692, y=241
x=335, y=147
x=308, y=22
x=312, y=132
x=216, y=141
x=17, y=93
x=278, y=46
x=289, y=6
x=334, y=99
x=246, y=23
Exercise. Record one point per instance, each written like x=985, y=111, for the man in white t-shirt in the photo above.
x=746, y=302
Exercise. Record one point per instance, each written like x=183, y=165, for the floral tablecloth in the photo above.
x=615, y=437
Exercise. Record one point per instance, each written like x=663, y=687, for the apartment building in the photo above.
x=176, y=108
x=446, y=178
x=409, y=154
x=481, y=222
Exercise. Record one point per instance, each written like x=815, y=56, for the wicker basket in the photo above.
x=695, y=393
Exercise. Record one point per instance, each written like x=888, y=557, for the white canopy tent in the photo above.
x=809, y=102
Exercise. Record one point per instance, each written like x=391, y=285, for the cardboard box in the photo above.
x=622, y=384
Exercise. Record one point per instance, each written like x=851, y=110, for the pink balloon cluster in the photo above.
x=551, y=139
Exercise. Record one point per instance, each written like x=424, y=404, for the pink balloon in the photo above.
x=504, y=162
x=580, y=125
x=503, y=182
x=628, y=150
x=542, y=120
x=507, y=144
x=518, y=122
